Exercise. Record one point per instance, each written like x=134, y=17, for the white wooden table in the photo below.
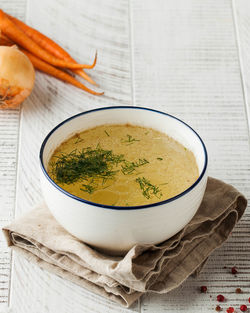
x=190, y=58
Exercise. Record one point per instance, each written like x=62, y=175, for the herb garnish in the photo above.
x=88, y=188
x=79, y=139
x=129, y=141
x=106, y=133
x=160, y=159
x=85, y=164
x=129, y=167
x=147, y=188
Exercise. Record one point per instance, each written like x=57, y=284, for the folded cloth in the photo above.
x=156, y=268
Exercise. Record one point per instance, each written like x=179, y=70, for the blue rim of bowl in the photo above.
x=121, y=207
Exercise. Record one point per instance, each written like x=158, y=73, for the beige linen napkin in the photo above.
x=157, y=268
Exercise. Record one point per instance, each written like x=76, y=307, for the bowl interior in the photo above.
x=160, y=121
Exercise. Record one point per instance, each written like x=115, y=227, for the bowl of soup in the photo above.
x=119, y=176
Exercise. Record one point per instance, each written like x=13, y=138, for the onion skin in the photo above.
x=17, y=77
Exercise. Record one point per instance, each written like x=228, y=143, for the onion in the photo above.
x=17, y=76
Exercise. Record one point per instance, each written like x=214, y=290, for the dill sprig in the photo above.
x=79, y=139
x=148, y=189
x=129, y=167
x=106, y=133
x=88, y=188
x=129, y=141
x=85, y=164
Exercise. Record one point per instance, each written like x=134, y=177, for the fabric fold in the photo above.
x=145, y=268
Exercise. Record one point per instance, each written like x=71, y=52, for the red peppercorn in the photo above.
x=243, y=308
x=230, y=309
x=218, y=308
x=220, y=298
x=249, y=300
x=234, y=270
x=203, y=289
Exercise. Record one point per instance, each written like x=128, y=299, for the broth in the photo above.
x=123, y=165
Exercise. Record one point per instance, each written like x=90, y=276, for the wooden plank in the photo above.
x=241, y=11
x=38, y=291
x=189, y=69
x=82, y=27
x=9, y=128
x=185, y=62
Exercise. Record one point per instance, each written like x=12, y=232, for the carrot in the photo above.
x=45, y=42
x=51, y=70
x=52, y=47
x=84, y=74
x=19, y=37
x=5, y=41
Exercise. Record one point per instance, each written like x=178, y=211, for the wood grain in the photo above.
x=90, y=26
x=186, y=63
x=177, y=56
x=9, y=129
x=241, y=11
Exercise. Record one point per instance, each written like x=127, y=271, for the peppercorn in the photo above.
x=220, y=298
x=243, y=308
x=203, y=289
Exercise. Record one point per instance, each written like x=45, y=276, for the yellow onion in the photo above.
x=17, y=76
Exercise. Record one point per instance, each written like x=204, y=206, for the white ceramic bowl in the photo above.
x=116, y=229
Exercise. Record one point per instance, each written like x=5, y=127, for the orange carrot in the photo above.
x=19, y=37
x=52, y=47
x=51, y=70
x=5, y=41
x=45, y=42
x=84, y=74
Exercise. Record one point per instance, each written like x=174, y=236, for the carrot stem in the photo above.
x=51, y=70
x=19, y=37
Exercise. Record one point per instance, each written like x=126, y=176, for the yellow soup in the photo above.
x=123, y=165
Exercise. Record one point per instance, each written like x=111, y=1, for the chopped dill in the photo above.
x=129, y=167
x=160, y=159
x=79, y=139
x=164, y=184
x=84, y=164
x=185, y=148
x=148, y=189
x=106, y=187
x=129, y=141
x=146, y=132
x=106, y=133
x=88, y=188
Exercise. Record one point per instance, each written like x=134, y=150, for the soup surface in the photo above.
x=123, y=165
